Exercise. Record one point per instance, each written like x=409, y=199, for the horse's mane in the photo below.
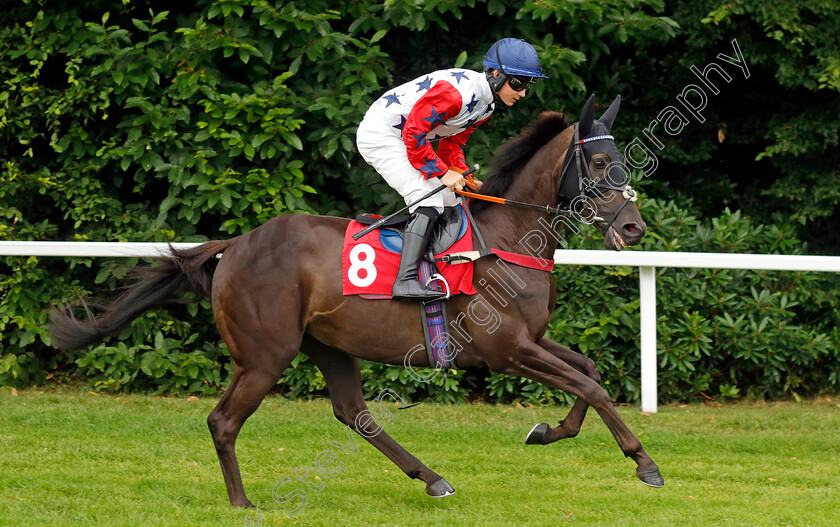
x=512, y=156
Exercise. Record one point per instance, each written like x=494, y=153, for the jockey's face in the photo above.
x=507, y=94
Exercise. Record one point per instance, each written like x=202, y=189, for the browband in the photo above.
x=596, y=137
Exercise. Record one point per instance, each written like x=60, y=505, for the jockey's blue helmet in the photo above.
x=512, y=57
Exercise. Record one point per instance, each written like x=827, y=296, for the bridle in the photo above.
x=589, y=187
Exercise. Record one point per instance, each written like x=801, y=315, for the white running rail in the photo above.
x=140, y=249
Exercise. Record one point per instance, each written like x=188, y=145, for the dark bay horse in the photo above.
x=277, y=291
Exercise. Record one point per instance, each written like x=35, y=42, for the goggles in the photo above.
x=519, y=83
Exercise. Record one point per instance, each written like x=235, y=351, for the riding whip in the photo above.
x=381, y=221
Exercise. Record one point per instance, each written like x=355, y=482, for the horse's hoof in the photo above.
x=652, y=478
x=537, y=434
x=440, y=489
x=248, y=505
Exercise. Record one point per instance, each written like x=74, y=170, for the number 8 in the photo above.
x=366, y=264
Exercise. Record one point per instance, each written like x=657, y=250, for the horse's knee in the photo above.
x=360, y=419
x=597, y=396
x=347, y=414
x=217, y=424
x=591, y=370
x=214, y=422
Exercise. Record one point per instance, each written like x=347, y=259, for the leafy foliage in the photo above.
x=146, y=121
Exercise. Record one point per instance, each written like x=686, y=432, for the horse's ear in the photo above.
x=587, y=117
x=609, y=116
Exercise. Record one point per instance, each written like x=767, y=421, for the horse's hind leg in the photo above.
x=542, y=433
x=344, y=383
x=248, y=387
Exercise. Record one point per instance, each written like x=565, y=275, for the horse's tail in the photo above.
x=152, y=286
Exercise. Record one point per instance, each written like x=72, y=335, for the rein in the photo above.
x=502, y=201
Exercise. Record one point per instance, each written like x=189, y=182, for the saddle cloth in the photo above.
x=370, y=263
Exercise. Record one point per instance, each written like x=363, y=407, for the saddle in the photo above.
x=450, y=227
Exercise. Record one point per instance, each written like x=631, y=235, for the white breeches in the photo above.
x=386, y=153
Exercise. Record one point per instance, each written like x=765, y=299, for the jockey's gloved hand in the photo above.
x=453, y=180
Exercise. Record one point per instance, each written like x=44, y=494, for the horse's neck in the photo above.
x=523, y=230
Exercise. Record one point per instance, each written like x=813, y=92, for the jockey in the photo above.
x=446, y=106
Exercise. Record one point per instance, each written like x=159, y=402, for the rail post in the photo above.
x=647, y=314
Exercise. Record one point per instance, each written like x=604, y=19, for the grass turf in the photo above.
x=75, y=458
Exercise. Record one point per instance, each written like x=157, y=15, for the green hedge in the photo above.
x=124, y=123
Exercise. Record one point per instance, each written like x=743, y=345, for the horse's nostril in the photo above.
x=634, y=230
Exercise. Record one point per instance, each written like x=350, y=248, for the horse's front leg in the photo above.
x=534, y=362
x=344, y=383
x=543, y=433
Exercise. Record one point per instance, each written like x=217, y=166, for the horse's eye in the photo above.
x=599, y=163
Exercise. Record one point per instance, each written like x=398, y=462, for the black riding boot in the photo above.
x=415, y=239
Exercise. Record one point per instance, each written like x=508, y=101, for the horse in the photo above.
x=276, y=291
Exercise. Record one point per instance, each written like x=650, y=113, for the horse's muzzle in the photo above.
x=631, y=233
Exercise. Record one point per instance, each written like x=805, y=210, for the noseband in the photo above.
x=589, y=187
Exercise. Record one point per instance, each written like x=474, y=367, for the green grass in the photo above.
x=74, y=458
